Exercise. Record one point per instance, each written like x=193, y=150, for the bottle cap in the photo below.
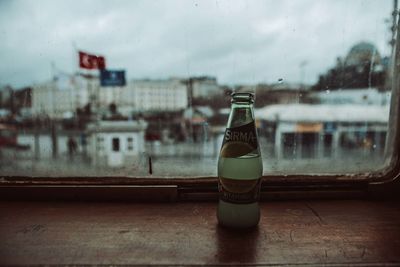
x=242, y=98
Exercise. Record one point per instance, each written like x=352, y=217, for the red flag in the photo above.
x=88, y=61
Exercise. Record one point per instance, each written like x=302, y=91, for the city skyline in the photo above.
x=240, y=42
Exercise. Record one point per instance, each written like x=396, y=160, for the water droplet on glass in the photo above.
x=374, y=146
x=280, y=80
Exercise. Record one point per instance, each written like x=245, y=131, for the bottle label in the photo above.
x=239, y=191
x=239, y=141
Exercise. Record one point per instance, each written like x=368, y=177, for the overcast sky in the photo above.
x=239, y=42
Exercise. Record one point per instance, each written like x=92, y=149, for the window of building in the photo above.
x=115, y=144
x=129, y=143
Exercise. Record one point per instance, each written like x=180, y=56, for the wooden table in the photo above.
x=298, y=233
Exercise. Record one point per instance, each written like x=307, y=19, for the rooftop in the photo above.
x=324, y=113
x=117, y=126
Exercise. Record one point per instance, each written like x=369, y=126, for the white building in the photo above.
x=154, y=95
x=317, y=131
x=205, y=87
x=116, y=143
x=362, y=96
x=59, y=100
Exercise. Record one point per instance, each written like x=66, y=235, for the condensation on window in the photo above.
x=139, y=83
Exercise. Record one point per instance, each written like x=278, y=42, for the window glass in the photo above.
x=104, y=88
x=115, y=144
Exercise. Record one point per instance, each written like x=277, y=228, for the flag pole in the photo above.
x=53, y=86
x=75, y=73
x=75, y=62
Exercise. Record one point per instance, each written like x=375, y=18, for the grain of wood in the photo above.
x=290, y=233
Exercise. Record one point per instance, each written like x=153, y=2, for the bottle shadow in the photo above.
x=237, y=246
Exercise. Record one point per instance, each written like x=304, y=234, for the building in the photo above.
x=22, y=101
x=6, y=97
x=361, y=54
x=196, y=122
x=204, y=87
x=59, y=100
x=116, y=143
x=318, y=131
x=362, y=96
x=284, y=93
x=154, y=96
x=362, y=67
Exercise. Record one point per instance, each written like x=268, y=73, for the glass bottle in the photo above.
x=240, y=167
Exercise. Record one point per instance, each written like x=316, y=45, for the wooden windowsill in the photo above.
x=290, y=232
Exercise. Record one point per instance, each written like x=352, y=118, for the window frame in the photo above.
x=380, y=184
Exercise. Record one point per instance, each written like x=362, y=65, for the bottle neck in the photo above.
x=241, y=113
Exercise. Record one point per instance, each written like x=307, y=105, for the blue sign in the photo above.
x=112, y=78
